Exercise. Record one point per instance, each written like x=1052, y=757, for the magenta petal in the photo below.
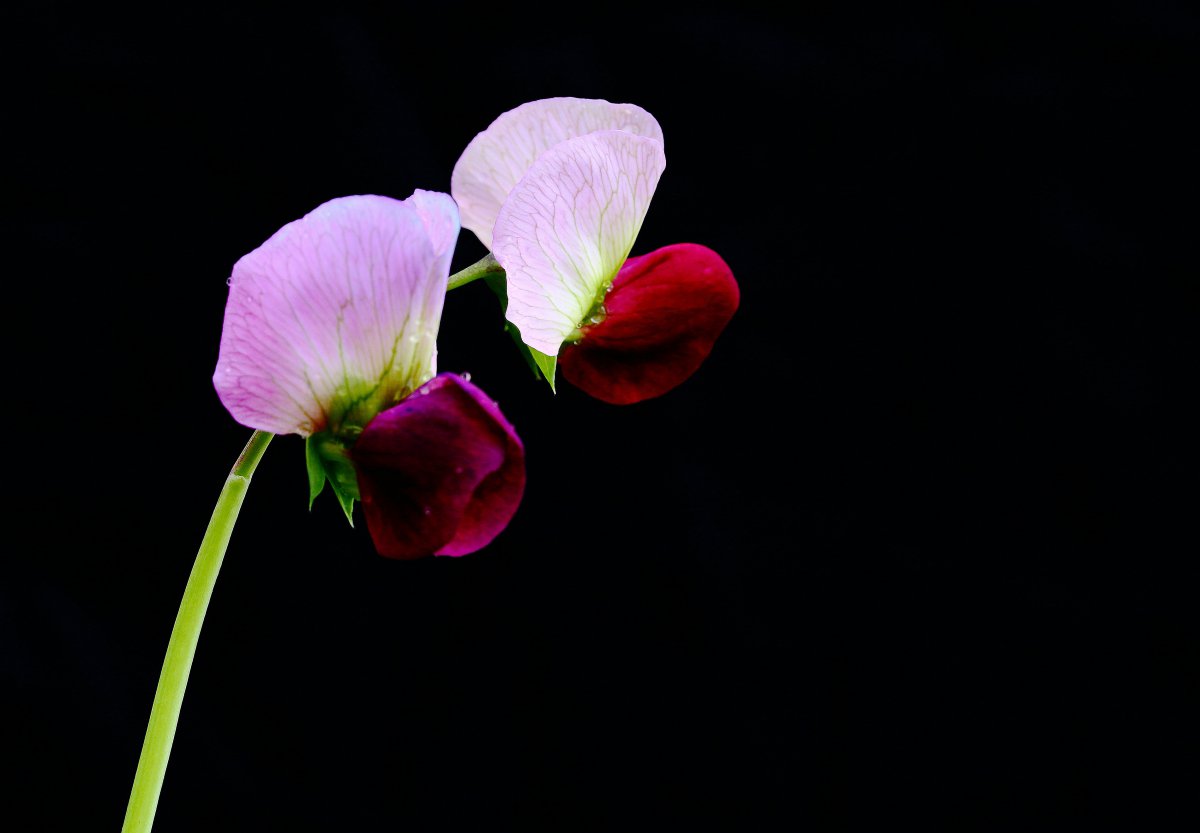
x=664, y=313
x=441, y=473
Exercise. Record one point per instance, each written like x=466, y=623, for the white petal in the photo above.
x=567, y=227
x=336, y=313
x=497, y=158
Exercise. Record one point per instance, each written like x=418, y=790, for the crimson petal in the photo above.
x=440, y=473
x=664, y=313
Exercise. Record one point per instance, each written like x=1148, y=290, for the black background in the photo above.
x=914, y=549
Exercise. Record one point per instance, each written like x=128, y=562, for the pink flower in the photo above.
x=558, y=189
x=330, y=332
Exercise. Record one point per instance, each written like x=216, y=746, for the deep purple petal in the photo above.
x=664, y=313
x=441, y=473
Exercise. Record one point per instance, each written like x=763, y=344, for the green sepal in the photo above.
x=346, y=502
x=328, y=459
x=316, y=471
x=498, y=284
x=523, y=349
x=541, y=365
x=546, y=364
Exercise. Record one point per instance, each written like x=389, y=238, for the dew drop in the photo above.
x=466, y=377
x=596, y=319
x=229, y=281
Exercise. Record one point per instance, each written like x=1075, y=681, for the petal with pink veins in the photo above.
x=567, y=227
x=335, y=317
x=497, y=158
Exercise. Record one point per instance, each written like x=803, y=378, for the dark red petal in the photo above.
x=441, y=473
x=665, y=311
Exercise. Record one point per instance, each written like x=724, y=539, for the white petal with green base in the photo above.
x=567, y=227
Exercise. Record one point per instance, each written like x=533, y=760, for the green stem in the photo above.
x=488, y=265
x=164, y=714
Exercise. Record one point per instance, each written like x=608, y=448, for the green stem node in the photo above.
x=488, y=265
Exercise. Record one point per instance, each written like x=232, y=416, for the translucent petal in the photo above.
x=335, y=317
x=567, y=227
x=497, y=158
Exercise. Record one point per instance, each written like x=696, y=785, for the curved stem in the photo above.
x=488, y=265
x=164, y=714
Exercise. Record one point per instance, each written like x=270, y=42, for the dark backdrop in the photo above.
x=914, y=549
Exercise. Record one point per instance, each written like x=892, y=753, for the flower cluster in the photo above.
x=331, y=325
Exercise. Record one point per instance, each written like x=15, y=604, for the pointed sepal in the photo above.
x=542, y=366
x=316, y=471
x=327, y=459
x=546, y=364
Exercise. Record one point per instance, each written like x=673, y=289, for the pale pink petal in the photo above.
x=567, y=227
x=335, y=317
x=439, y=213
x=497, y=158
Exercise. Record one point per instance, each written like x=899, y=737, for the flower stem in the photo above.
x=164, y=714
x=488, y=265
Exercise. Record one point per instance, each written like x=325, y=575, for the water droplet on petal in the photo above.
x=229, y=281
x=466, y=377
x=596, y=319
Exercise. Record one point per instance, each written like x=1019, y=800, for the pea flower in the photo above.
x=331, y=327
x=557, y=189
x=330, y=333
